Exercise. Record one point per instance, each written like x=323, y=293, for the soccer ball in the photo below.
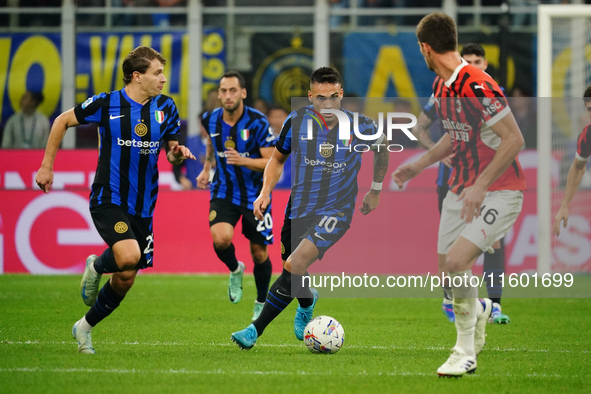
x=324, y=334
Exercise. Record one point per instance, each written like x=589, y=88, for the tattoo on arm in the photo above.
x=209, y=151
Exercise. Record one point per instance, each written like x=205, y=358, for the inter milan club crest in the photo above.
x=159, y=116
x=141, y=129
x=229, y=143
x=244, y=134
x=326, y=150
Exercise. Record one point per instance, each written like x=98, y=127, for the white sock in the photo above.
x=237, y=270
x=447, y=301
x=466, y=316
x=83, y=324
x=91, y=268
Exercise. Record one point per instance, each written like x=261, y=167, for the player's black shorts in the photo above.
x=114, y=224
x=258, y=232
x=324, y=231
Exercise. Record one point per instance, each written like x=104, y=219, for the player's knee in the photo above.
x=454, y=264
x=222, y=242
x=128, y=260
x=299, y=265
x=259, y=254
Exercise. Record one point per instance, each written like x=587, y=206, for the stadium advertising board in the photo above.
x=53, y=233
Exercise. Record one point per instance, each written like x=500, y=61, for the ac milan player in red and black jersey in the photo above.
x=577, y=169
x=485, y=195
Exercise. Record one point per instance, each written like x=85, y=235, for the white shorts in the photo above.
x=499, y=212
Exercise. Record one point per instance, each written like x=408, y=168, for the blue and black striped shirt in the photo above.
x=324, y=168
x=130, y=138
x=237, y=184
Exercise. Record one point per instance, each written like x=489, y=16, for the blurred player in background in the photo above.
x=487, y=181
x=494, y=263
x=577, y=169
x=322, y=198
x=240, y=142
x=133, y=124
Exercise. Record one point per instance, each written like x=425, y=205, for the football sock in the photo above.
x=106, y=302
x=83, y=324
x=105, y=263
x=228, y=257
x=262, y=278
x=493, y=268
x=278, y=298
x=464, y=304
x=304, y=295
x=447, y=293
x=465, y=311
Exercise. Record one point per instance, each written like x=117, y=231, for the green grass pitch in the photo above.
x=172, y=334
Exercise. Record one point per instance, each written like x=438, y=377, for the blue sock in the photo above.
x=106, y=302
x=105, y=263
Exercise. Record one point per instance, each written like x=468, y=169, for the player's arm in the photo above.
x=44, y=177
x=575, y=174
x=511, y=142
x=176, y=153
x=203, y=177
x=421, y=131
x=371, y=200
x=438, y=152
x=271, y=176
x=253, y=164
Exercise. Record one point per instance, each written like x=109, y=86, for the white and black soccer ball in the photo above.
x=324, y=334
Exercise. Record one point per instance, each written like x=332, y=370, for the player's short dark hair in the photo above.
x=473, y=49
x=37, y=97
x=237, y=75
x=587, y=94
x=326, y=75
x=438, y=30
x=139, y=60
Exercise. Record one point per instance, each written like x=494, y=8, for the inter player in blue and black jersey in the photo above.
x=324, y=188
x=133, y=123
x=240, y=143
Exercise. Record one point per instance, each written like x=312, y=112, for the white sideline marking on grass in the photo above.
x=391, y=347
x=218, y=371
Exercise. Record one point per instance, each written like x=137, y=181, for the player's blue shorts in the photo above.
x=323, y=230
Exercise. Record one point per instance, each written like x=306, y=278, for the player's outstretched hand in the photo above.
x=44, y=179
x=181, y=152
x=561, y=217
x=370, y=202
x=405, y=173
x=473, y=197
x=260, y=206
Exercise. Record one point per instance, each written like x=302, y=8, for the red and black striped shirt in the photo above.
x=468, y=104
